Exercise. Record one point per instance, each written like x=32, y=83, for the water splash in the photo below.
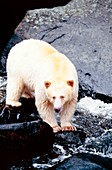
x=97, y=107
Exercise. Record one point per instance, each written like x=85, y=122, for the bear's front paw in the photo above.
x=13, y=103
x=68, y=128
x=56, y=128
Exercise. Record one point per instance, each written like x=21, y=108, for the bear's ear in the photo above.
x=47, y=84
x=70, y=83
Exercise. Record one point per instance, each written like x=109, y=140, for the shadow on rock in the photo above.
x=23, y=134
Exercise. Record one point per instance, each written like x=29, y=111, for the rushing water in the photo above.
x=88, y=106
x=95, y=107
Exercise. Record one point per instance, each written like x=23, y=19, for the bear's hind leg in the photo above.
x=13, y=92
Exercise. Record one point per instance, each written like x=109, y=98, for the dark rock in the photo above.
x=76, y=138
x=92, y=125
x=28, y=135
x=23, y=132
x=27, y=112
x=19, y=143
x=85, y=161
x=102, y=144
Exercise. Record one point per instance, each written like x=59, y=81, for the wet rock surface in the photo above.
x=83, y=161
x=82, y=31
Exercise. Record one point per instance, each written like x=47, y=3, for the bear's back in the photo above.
x=28, y=54
x=30, y=48
x=37, y=59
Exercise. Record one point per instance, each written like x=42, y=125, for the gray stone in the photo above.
x=81, y=30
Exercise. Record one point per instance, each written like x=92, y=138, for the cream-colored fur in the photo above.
x=36, y=69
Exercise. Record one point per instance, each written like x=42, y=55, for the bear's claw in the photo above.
x=68, y=128
x=13, y=103
x=56, y=129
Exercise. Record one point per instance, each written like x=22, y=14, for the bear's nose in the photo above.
x=57, y=110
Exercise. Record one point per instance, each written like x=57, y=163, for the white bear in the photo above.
x=36, y=69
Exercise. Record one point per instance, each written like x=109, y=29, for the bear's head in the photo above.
x=58, y=93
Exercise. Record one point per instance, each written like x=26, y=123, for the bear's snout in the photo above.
x=57, y=110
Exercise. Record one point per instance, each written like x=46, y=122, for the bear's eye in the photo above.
x=54, y=97
x=61, y=97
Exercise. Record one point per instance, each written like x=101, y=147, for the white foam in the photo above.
x=95, y=107
x=3, y=83
x=36, y=165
